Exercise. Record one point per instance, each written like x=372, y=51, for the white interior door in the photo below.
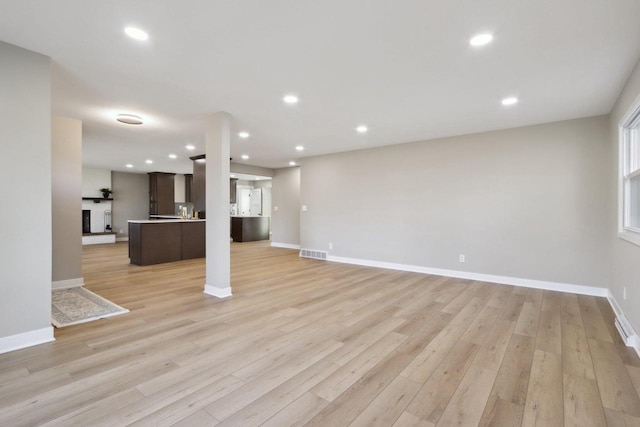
x=244, y=201
x=256, y=202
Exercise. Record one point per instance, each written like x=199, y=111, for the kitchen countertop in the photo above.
x=161, y=221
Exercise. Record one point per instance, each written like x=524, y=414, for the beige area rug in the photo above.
x=70, y=306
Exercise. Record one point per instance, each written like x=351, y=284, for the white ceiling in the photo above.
x=404, y=68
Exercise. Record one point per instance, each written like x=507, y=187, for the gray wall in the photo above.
x=625, y=255
x=66, y=200
x=25, y=174
x=528, y=203
x=285, y=195
x=130, y=200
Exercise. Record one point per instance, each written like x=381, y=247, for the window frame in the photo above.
x=628, y=168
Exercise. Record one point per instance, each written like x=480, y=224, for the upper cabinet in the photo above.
x=188, y=183
x=161, y=193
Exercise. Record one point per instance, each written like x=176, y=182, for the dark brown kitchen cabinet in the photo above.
x=188, y=182
x=161, y=193
x=232, y=189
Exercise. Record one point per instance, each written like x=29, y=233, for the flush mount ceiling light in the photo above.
x=190, y=147
x=299, y=147
x=148, y=161
x=290, y=99
x=129, y=119
x=362, y=129
x=136, y=33
x=173, y=156
x=243, y=134
x=292, y=163
x=481, y=39
x=245, y=157
x=512, y=100
x=129, y=165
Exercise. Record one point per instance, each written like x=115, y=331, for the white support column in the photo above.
x=218, y=136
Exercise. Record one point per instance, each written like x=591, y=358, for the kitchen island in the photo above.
x=167, y=240
x=250, y=228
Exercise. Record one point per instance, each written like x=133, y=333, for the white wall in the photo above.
x=526, y=203
x=66, y=203
x=625, y=270
x=25, y=177
x=285, y=201
x=93, y=180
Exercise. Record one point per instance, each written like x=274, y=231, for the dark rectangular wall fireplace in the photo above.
x=86, y=221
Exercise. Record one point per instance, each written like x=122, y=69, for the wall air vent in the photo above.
x=308, y=253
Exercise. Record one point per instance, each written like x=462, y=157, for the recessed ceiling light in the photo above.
x=136, y=33
x=290, y=99
x=245, y=157
x=292, y=163
x=173, y=156
x=190, y=147
x=243, y=134
x=510, y=101
x=129, y=165
x=362, y=129
x=148, y=161
x=481, y=39
x=129, y=119
x=299, y=147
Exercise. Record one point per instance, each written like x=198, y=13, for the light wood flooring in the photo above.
x=305, y=342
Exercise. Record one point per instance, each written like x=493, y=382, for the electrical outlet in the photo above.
x=330, y=245
x=304, y=208
x=121, y=231
x=624, y=293
x=275, y=208
x=461, y=258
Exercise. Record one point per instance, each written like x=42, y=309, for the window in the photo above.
x=630, y=176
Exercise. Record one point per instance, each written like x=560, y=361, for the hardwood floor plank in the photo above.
x=616, y=389
x=298, y=413
x=348, y=374
x=594, y=324
x=409, y=420
x=544, y=405
x=582, y=405
x=618, y=419
x=385, y=409
x=470, y=399
x=576, y=357
x=432, y=399
x=344, y=409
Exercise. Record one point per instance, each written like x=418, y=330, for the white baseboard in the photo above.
x=217, y=292
x=26, y=339
x=284, y=245
x=632, y=339
x=69, y=283
x=505, y=280
x=98, y=239
x=122, y=239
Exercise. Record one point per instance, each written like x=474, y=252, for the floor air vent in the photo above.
x=624, y=330
x=307, y=253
